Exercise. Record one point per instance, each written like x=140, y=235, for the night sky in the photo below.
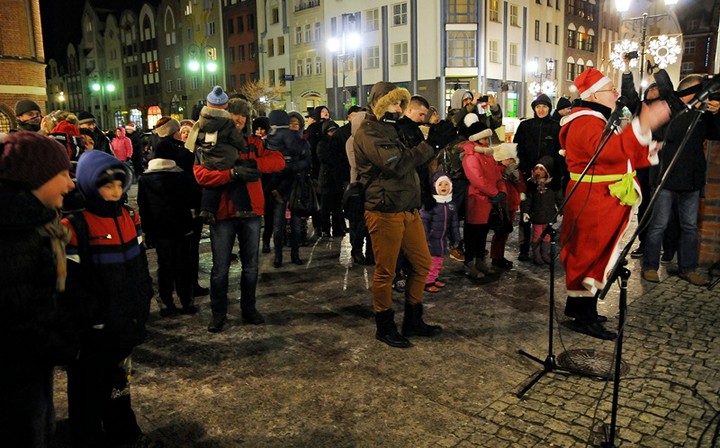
x=61, y=22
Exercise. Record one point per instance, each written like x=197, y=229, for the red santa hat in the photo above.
x=590, y=81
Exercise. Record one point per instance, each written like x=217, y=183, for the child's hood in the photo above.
x=93, y=163
x=212, y=120
x=437, y=178
x=122, y=131
x=547, y=163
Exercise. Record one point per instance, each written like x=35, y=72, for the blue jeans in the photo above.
x=222, y=238
x=686, y=203
x=279, y=229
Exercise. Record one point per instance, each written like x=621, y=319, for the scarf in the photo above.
x=59, y=237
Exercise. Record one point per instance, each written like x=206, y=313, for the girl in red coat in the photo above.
x=121, y=145
x=486, y=188
x=505, y=155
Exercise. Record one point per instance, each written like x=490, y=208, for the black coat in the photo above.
x=538, y=137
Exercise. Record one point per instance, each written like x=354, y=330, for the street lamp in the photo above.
x=548, y=86
x=101, y=88
x=343, y=49
x=209, y=64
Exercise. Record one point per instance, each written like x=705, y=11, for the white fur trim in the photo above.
x=643, y=139
x=595, y=87
x=486, y=133
x=470, y=119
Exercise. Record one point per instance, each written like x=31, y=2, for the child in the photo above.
x=441, y=224
x=291, y=144
x=122, y=145
x=108, y=275
x=219, y=143
x=166, y=196
x=540, y=206
x=507, y=164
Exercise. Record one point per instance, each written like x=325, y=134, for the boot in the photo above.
x=387, y=331
x=295, y=257
x=545, y=252
x=278, y=259
x=484, y=268
x=537, y=255
x=414, y=325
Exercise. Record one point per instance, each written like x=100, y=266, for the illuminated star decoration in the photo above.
x=534, y=88
x=548, y=87
x=620, y=48
x=664, y=50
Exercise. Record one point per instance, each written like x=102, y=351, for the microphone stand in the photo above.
x=550, y=362
x=619, y=270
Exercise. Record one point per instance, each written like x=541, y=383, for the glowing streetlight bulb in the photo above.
x=194, y=65
x=95, y=86
x=212, y=67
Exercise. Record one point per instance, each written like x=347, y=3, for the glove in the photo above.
x=242, y=173
x=497, y=198
x=526, y=217
x=247, y=163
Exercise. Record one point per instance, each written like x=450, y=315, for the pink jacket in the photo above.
x=485, y=181
x=122, y=146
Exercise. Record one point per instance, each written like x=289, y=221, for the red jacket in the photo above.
x=485, y=182
x=268, y=161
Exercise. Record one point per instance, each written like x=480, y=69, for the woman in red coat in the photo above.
x=597, y=215
x=486, y=188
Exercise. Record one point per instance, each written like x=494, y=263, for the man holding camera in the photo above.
x=685, y=181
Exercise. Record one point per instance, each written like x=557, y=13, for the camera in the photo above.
x=483, y=99
x=631, y=55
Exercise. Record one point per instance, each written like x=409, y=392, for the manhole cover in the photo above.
x=591, y=362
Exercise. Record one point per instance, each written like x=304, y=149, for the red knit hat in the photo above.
x=65, y=127
x=590, y=81
x=31, y=159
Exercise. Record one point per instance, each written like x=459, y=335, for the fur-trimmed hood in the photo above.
x=384, y=94
x=472, y=147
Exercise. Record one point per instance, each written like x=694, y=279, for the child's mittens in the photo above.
x=525, y=217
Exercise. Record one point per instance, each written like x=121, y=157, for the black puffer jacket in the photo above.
x=36, y=328
x=538, y=137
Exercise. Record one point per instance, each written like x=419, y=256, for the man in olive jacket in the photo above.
x=388, y=169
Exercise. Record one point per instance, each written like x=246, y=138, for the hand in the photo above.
x=526, y=217
x=653, y=115
x=248, y=163
x=712, y=106
x=497, y=198
x=492, y=101
x=241, y=173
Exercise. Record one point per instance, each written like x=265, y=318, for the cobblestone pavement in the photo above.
x=314, y=376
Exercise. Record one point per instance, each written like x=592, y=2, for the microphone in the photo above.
x=711, y=86
x=615, y=116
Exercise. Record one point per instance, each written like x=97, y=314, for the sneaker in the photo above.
x=667, y=258
x=430, y=287
x=457, y=254
x=266, y=248
x=399, y=285
x=651, y=276
x=638, y=253
x=502, y=263
x=473, y=272
x=253, y=317
x=217, y=323
x=694, y=278
x=440, y=283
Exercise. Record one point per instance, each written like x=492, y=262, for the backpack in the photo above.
x=449, y=160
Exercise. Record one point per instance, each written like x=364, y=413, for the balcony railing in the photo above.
x=306, y=4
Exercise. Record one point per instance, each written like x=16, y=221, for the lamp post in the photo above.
x=208, y=63
x=548, y=87
x=101, y=87
x=343, y=49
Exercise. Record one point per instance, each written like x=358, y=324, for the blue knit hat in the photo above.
x=217, y=97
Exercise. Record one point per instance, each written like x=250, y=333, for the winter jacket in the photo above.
x=537, y=137
x=514, y=186
x=215, y=139
x=107, y=266
x=441, y=224
x=542, y=203
x=334, y=169
x=166, y=195
x=385, y=165
x=268, y=161
x=296, y=152
x=485, y=181
x=36, y=327
x=122, y=146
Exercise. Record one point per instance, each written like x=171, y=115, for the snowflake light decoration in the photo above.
x=620, y=48
x=534, y=88
x=664, y=50
x=548, y=88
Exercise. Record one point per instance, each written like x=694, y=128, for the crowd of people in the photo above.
x=409, y=187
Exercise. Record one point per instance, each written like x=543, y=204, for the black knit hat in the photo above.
x=85, y=117
x=563, y=103
x=110, y=175
x=31, y=159
x=23, y=106
x=261, y=122
x=166, y=150
x=542, y=99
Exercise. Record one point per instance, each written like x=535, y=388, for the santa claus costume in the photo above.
x=597, y=215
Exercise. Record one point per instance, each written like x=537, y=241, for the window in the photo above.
x=571, y=9
x=513, y=54
x=547, y=32
x=188, y=8
x=270, y=48
x=167, y=64
x=241, y=53
x=281, y=76
x=399, y=14
x=493, y=51
x=194, y=83
x=169, y=86
x=513, y=15
x=252, y=51
x=687, y=68
x=240, y=27
x=461, y=48
x=318, y=65
x=281, y=45
x=251, y=22
x=372, y=57
x=298, y=35
x=550, y=3
x=243, y=79
x=210, y=29
x=572, y=39
x=271, y=77
x=308, y=35
x=318, y=32
x=372, y=20
x=400, y=53
x=179, y=83
x=275, y=15
x=233, y=82
x=493, y=11
x=231, y=26
x=537, y=30
x=231, y=55
x=299, y=68
x=590, y=43
x=557, y=34
x=570, y=70
x=461, y=11
x=308, y=66
x=689, y=47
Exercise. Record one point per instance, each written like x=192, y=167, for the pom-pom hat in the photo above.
x=217, y=97
x=590, y=81
x=31, y=159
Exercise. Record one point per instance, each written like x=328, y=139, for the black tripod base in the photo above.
x=549, y=364
x=609, y=440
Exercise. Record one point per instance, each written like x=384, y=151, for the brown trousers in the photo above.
x=390, y=233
